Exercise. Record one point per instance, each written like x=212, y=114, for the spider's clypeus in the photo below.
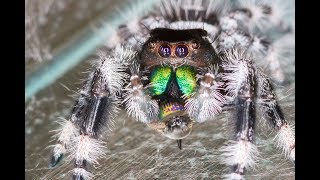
x=178, y=66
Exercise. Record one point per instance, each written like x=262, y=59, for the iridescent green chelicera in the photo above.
x=159, y=79
x=186, y=78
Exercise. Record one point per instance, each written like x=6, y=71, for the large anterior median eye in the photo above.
x=181, y=51
x=159, y=79
x=164, y=51
x=186, y=78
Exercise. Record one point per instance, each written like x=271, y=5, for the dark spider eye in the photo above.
x=181, y=51
x=164, y=51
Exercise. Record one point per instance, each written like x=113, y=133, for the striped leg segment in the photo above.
x=285, y=137
x=241, y=153
x=93, y=110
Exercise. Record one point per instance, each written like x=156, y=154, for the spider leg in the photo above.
x=94, y=110
x=241, y=153
x=273, y=113
x=70, y=128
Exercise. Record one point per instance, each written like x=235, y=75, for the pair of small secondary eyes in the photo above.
x=181, y=51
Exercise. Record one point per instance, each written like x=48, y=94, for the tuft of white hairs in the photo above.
x=88, y=149
x=228, y=24
x=181, y=25
x=227, y=42
x=242, y=152
x=82, y=172
x=66, y=133
x=154, y=22
x=140, y=105
x=285, y=139
x=207, y=102
x=238, y=66
x=233, y=176
x=58, y=150
x=113, y=67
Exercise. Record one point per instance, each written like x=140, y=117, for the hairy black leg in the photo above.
x=274, y=114
x=241, y=153
x=92, y=111
x=245, y=109
x=70, y=127
x=97, y=114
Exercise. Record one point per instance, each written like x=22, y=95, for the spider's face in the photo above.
x=176, y=48
x=174, y=58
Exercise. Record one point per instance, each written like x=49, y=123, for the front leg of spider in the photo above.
x=80, y=134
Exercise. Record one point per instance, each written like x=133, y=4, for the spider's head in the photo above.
x=177, y=47
x=173, y=59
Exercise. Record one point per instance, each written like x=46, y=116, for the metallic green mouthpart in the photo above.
x=159, y=79
x=186, y=78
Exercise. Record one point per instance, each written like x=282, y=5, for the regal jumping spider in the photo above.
x=180, y=65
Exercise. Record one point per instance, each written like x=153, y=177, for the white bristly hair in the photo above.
x=113, y=67
x=233, y=176
x=154, y=22
x=88, y=149
x=286, y=140
x=140, y=105
x=205, y=103
x=211, y=29
x=65, y=135
x=242, y=152
x=228, y=24
x=238, y=63
x=58, y=150
x=82, y=172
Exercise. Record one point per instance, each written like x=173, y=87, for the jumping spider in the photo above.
x=176, y=67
